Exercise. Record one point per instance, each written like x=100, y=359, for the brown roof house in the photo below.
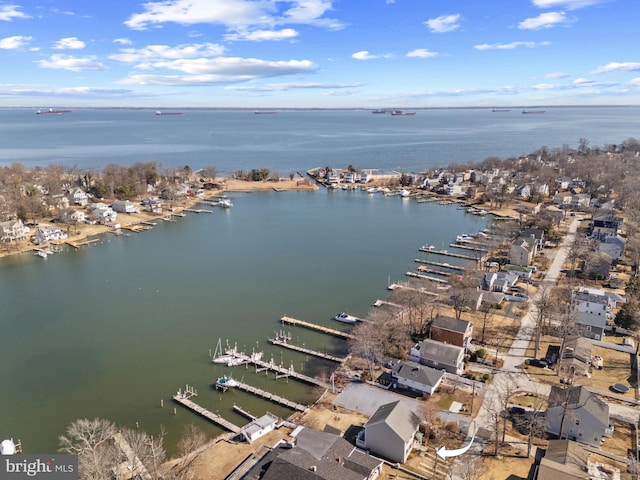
x=578, y=414
x=451, y=330
x=390, y=432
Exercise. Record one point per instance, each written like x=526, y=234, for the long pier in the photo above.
x=279, y=369
x=77, y=245
x=270, y=396
x=182, y=399
x=468, y=247
x=441, y=265
x=395, y=286
x=426, y=277
x=447, y=253
x=315, y=326
x=423, y=269
x=291, y=346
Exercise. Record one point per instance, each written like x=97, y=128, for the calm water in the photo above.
x=113, y=328
x=299, y=140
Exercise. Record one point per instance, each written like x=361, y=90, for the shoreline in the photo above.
x=77, y=234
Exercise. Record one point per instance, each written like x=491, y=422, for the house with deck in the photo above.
x=415, y=377
x=13, y=230
x=45, y=234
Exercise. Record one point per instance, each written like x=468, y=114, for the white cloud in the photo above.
x=9, y=12
x=165, y=52
x=280, y=87
x=122, y=41
x=444, y=23
x=12, y=43
x=566, y=4
x=74, y=64
x=234, y=67
x=363, y=55
x=421, y=53
x=69, y=43
x=262, y=35
x=544, y=20
x=635, y=82
x=617, y=67
x=556, y=75
x=510, y=46
x=233, y=13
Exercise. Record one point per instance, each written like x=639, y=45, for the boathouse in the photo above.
x=259, y=427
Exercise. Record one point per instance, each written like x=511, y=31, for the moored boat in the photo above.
x=159, y=112
x=344, y=317
x=532, y=111
x=225, y=382
x=52, y=111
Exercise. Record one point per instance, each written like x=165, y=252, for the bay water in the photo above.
x=114, y=328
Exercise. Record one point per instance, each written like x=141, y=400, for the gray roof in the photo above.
x=577, y=348
x=578, y=398
x=418, y=373
x=398, y=417
x=440, y=352
x=450, y=323
x=564, y=459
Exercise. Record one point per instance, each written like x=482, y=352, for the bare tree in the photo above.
x=191, y=440
x=544, y=306
x=91, y=441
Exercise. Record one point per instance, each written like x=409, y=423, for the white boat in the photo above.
x=405, y=193
x=225, y=203
x=428, y=247
x=463, y=238
x=41, y=253
x=225, y=382
x=344, y=317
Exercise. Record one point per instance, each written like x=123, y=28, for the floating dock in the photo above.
x=270, y=396
x=315, y=326
x=285, y=343
x=384, y=303
x=77, y=245
x=183, y=399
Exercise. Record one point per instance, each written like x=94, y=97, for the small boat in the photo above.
x=159, y=112
x=463, y=238
x=532, y=111
x=428, y=247
x=225, y=203
x=344, y=317
x=380, y=110
x=41, y=253
x=400, y=113
x=225, y=382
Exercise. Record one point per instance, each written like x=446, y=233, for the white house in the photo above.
x=13, y=230
x=125, y=206
x=416, y=377
x=390, y=432
x=592, y=307
x=259, y=427
x=78, y=196
x=438, y=355
x=47, y=234
x=70, y=216
x=104, y=215
x=522, y=251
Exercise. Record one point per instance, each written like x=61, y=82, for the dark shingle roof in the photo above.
x=418, y=373
x=450, y=323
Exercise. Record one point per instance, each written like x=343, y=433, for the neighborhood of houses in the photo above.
x=577, y=421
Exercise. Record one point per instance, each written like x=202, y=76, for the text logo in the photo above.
x=49, y=467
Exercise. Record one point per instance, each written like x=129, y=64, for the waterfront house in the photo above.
x=576, y=413
x=349, y=177
x=69, y=216
x=415, y=377
x=575, y=358
x=451, y=330
x=125, y=206
x=438, y=355
x=13, y=230
x=390, y=432
x=104, y=215
x=259, y=427
x=592, y=308
x=46, y=234
x=311, y=455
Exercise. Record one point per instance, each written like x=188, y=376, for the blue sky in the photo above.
x=319, y=53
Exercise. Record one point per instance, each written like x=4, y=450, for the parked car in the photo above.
x=537, y=362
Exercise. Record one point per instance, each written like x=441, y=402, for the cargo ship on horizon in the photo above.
x=52, y=111
x=159, y=112
x=532, y=111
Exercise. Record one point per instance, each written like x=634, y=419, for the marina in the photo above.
x=315, y=326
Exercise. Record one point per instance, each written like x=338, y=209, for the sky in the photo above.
x=318, y=53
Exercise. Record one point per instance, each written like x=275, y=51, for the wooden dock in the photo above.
x=270, y=396
x=395, y=286
x=468, y=247
x=198, y=210
x=77, y=245
x=426, y=277
x=279, y=369
x=183, y=399
x=243, y=412
x=384, y=303
x=136, y=228
x=315, y=326
x=425, y=269
x=441, y=265
x=290, y=346
x=447, y=253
